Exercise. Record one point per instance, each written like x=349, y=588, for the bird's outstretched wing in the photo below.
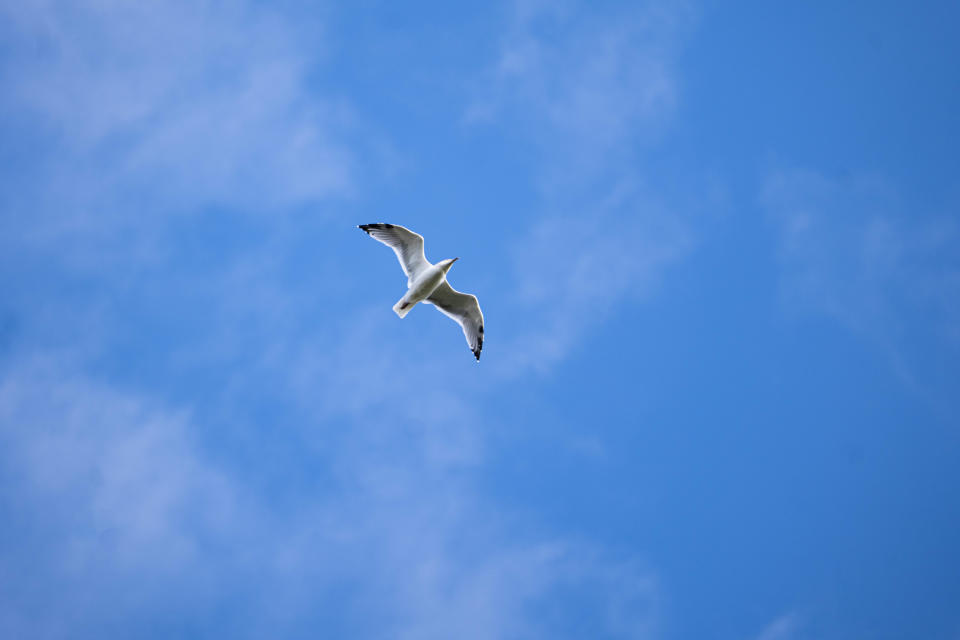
x=405, y=243
x=463, y=308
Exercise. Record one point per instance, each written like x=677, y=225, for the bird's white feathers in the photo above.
x=405, y=243
x=461, y=307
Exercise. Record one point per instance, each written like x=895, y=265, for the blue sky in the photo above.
x=717, y=246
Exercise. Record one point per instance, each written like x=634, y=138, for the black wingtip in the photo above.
x=374, y=225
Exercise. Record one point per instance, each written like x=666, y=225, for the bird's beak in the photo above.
x=454, y=260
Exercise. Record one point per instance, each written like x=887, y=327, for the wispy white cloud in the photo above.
x=590, y=87
x=852, y=250
x=586, y=81
x=106, y=489
x=573, y=271
x=127, y=118
x=786, y=627
x=131, y=509
x=126, y=114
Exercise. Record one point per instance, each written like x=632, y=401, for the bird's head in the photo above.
x=446, y=264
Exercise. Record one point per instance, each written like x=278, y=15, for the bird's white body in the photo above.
x=421, y=286
x=428, y=282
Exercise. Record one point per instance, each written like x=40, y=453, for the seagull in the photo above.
x=428, y=282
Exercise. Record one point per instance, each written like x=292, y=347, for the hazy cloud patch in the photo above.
x=586, y=82
x=399, y=541
x=124, y=115
x=573, y=271
x=786, y=627
x=852, y=250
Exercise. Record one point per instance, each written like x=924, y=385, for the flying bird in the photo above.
x=428, y=282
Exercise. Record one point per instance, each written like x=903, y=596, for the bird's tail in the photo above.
x=403, y=306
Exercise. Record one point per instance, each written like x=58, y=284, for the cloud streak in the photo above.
x=591, y=88
x=783, y=628
x=604, y=79
x=408, y=550
x=850, y=251
x=131, y=114
x=573, y=271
